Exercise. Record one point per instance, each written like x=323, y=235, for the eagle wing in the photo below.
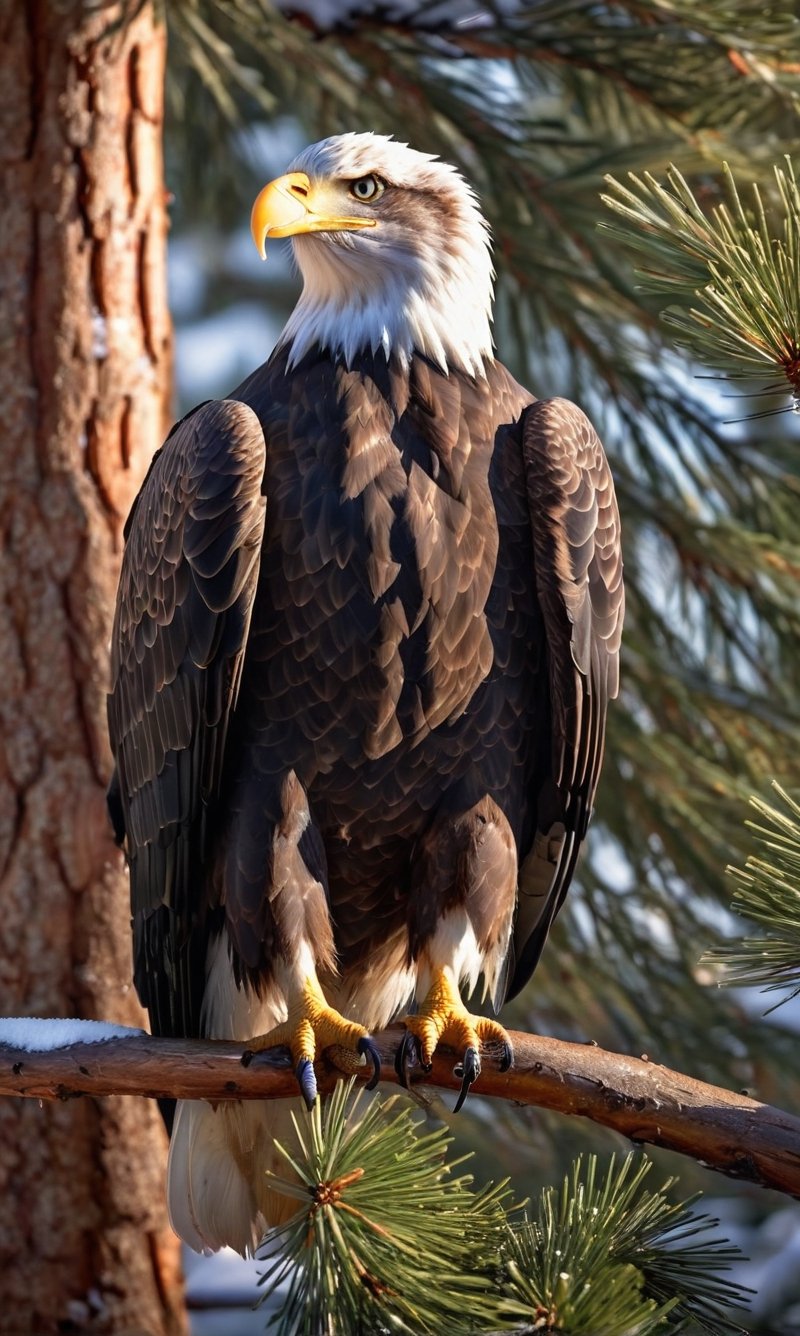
x=578, y=575
x=189, y=575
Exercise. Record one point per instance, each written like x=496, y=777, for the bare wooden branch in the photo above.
x=646, y=1102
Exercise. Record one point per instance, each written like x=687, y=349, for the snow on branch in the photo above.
x=727, y=1132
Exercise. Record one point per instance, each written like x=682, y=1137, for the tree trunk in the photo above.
x=84, y=375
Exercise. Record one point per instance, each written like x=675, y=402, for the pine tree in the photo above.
x=388, y=1239
x=540, y=106
x=768, y=895
x=84, y=378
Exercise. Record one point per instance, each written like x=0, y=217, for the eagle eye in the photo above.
x=367, y=188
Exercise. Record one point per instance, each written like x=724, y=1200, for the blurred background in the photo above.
x=537, y=104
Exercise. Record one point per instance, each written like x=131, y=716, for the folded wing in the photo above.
x=578, y=574
x=189, y=575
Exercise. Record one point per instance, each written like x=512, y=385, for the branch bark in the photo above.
x=727, y=1132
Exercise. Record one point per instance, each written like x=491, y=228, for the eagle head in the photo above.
x=393, y=250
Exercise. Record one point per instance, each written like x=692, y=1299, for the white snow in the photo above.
x=221, y=1279
x=327, y=14
x=223, y=1294
x=33, y=1034
x=99, y=335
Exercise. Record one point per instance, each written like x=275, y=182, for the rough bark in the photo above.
x=725, y=1131
x=84, y=374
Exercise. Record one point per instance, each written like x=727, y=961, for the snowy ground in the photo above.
x=221, y=1291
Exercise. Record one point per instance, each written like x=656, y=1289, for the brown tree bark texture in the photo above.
x=84, y=375
x=643, y=1100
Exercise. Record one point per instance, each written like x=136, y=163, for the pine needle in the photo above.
x=768, y=894
x=606, y=1257
x=389, y=1236
x=741, y=264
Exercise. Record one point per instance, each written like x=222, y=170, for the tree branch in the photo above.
x=646, y=1102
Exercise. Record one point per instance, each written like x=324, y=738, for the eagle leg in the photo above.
x=444, y=1019
x=311, y=1027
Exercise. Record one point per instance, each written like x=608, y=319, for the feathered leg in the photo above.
x=460, y=917
x=280, y=927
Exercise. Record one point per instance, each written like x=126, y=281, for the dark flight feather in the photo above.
x=183, y=612
x=578, y=575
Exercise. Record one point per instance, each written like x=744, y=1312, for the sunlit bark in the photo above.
x=648, y=1103
x=84, y=376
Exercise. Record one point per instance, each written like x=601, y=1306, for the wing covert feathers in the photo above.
x=185, y=597
x=578, y=573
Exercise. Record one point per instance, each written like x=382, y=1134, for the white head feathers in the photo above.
x=420, y=279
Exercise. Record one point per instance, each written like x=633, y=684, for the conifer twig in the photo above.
x=728, y=1132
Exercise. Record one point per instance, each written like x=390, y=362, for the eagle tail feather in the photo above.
x=218, y=1186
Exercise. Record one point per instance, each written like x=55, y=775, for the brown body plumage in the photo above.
x=366, y=633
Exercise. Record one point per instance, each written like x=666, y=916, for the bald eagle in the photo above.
x=367, y=628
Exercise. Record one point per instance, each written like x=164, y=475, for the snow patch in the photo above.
x=223, y=1294
x=99, y=335
x=221, y=1279
x=36, y=1035
x=327, y=15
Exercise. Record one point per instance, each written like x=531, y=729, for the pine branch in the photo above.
x=727, y=1132
x=741, y=266
x=387, y=1236
x=768, y=894
x=722, y=59
x=656, y=1250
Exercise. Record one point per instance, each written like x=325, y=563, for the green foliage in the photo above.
x=606, y=1257
x=386, y=1235
x=768, y=893
x=742, y=269
x=388, y=1238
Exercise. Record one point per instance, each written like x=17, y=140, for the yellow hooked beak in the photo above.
x=291, y=205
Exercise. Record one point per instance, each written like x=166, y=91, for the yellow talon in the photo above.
x=443, y=1018
x=311, y=1027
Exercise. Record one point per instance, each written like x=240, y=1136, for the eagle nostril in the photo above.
x=300, y=191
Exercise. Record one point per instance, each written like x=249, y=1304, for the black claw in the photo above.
x=507, y=1060
x=469, y=1069
x=408, y=1055
x=247, y=1056
x=367, y=1046
x=307, y=1081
